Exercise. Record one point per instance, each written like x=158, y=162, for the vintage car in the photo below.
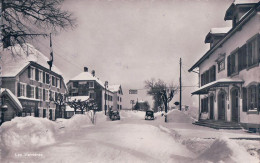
x=114, y=115
x=149, y=115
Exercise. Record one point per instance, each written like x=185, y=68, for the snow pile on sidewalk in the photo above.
x=179, y=117
x=226, y=150
x=26, y=133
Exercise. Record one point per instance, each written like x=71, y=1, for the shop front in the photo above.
x=30, y=108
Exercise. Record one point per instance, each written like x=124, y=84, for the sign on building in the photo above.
x=132, y=91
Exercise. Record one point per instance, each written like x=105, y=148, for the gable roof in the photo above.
x=15, y=59
x=12, y=97
x=86, y=76
x=216, y=32
x=115, y=88
x=244, y=20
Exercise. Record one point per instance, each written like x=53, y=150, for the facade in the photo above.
x=229, y=71
x=27, y=76
x=117, y=96
x=87, y=84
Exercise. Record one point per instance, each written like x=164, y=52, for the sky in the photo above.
x=129, y=41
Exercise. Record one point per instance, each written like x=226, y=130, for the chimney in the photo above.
x=85, y=69
x=93, y=73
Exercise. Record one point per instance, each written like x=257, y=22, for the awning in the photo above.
x=218, y=83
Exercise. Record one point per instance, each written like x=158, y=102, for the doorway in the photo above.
x=221, y=106
x=234, y=103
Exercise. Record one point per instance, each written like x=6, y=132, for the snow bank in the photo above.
x=26, y=133
x=226, y=150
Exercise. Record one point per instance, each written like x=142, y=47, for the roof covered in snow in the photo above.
x=114, y=88
x=15, y=59
x=86, y=76
x=81, y=98
x=221, y=82
x=12, y=97
x=245, y=1
x=220, y=30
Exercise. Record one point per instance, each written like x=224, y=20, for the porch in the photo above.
x=218, y=124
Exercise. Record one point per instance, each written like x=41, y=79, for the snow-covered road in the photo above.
x=132, y=139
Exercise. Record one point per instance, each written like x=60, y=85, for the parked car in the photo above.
x=149, y=115
x=114, y=115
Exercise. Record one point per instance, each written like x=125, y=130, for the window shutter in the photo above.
x=258, y=45
x=228, y=65
x=60, y=82
x=18, y=90
x=29, y=72
x=37, y=93
x=28, y=91
x=43, y=77
x=56, y=95
x=240, y=59
x=36, y=74
x=214, y=72
x=56, y=82
x=43, y=94
x=259, y=97
x=244, y=100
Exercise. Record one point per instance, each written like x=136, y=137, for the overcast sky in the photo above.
x=129, y=41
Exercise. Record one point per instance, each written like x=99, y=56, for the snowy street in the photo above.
x=132, y=139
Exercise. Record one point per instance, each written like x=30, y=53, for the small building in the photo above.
x=229, y=71
x=14, y=107
x=87, y=84
x=117, y=96
x=25, y=72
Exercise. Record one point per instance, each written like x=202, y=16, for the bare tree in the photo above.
x=22, y=20
x=59, y=100
x=161, y=93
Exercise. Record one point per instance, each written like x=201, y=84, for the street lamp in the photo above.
x=106, y=83
x=3, y=109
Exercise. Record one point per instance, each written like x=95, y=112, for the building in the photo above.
x=26, y=74
x=117, y=96
x=87, y=84
x=12, y=104
x=229, y=71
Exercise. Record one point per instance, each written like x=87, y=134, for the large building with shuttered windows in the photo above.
x=26, y=74
x=229, y=71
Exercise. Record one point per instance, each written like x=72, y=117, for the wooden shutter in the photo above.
x=60, y=82
x=43, y=77
x=18, y=90
x=214, y=72
x=29, y=72
x=36, y=74
x=37, y=93
x=244, y=99
x=228, y=65
x=28, y=91
x=259, y=97
x=43, y=91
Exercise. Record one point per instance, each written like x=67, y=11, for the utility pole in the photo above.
x=180, y=84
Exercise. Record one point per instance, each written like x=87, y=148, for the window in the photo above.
x=252, y=97
x=32, y=92
x=91, y=95
x=32, y=73
x=58, y=83
x=252, y=51
x=47, y=78
x=47, y=95
x=75, y=84
x=91, y=84
x=204, y=105
x=22, y=89
x=40, y=93
x=53, y=80
x=233, y=63
x=208, y=76
x=221, y=65
x=242, y=57
x=40, y=76
x=244, y=99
